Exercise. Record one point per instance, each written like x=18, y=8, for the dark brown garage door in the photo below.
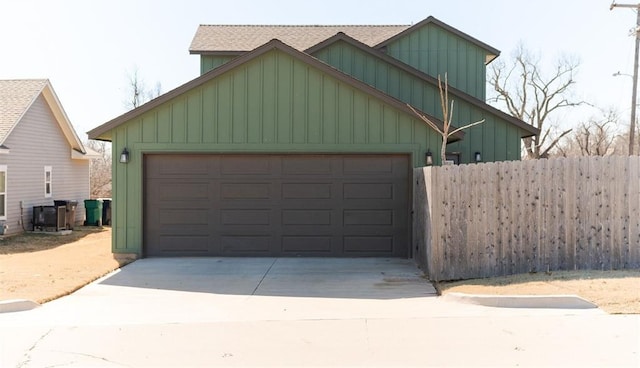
x=276, y=205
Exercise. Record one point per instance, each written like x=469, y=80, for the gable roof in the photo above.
x=17, y=96
x=235, y=39
x=530, y=129
x=100, y=131
x=492, y=52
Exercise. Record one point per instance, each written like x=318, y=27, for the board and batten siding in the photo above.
x=496, y=139
x=436, y=51
x=274, y=103
x=210, y=62
x=37, y=141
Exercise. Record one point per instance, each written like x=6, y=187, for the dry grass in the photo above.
x=43, y=267
x=613, y=291
x=38, y=241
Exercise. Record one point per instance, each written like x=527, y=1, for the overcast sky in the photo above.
x=86, y=48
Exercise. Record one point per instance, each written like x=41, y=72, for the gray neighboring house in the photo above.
x=41, y=157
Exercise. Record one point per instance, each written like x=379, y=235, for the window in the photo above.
x=47, y=182
x=453, y=158
x=3, y=192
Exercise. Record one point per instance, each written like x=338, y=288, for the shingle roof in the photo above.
x=218, y=38
x=15, y=97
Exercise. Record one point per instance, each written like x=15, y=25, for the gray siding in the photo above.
x=37, y=141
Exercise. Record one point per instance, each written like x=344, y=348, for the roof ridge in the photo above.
x=24, y=80
x=304, y=25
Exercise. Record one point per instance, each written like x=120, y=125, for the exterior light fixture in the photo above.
x=124, y=156
x=428, y=158
x=478, y=157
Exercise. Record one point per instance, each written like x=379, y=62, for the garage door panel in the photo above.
x=316, y=217
x=177, y=166
x=306, y=244
x=187, y=243
x=368, y=217
x=307, y=190
x=173, y=216
x=368, y=191
x=368, y=166
x=245, y=217
x=246, y=244
x=307, y=165
x=246, y=165
x=314, y=205
x=180, y=191
x=368, y=244
x=245, y=191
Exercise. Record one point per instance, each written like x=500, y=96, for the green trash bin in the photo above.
x=93, y=209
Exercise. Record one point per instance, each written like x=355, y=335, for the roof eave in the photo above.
x=218, y=52
x=62, y=118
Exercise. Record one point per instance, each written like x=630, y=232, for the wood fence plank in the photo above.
x=634, y=213
x=570, y=213
x=619, y=199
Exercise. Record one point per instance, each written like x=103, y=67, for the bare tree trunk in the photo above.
x=447, y=113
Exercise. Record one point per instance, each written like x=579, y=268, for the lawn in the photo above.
x=43, y=267
x=613, y=291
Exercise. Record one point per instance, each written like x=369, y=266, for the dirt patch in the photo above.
x=613, y=291
x=42, y=267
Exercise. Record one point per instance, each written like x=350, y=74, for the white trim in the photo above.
x=3, y=169
x=91, y=154
x=49, y=170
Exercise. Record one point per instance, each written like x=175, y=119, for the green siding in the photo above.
x=436, y=51
x=210, y=62
x=272, y=104
x=496, y=139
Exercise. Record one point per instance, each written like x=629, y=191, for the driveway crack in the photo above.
x=263, y=276
x=89, y=356
x=27, y=355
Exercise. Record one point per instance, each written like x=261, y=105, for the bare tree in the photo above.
x=447, y=114
x=534, y=97
x=621, y=142
x=595, y=137
x=100, y=176
x=138, y=93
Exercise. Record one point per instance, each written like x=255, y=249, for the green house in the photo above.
x=298, y=141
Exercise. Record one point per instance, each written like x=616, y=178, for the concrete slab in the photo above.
x=17, y=305
x=522, y=301
x=299, y=312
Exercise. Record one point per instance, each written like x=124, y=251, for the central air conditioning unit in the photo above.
x=49, y=217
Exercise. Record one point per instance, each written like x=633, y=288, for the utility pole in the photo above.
x=634, y=92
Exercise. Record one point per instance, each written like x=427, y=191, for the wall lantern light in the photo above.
x=124, y=156
x=478, y=157
x=428, y=158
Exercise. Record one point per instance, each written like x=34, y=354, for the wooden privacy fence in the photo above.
x=503, y=218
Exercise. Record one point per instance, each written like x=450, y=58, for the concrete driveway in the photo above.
x=189, y=312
